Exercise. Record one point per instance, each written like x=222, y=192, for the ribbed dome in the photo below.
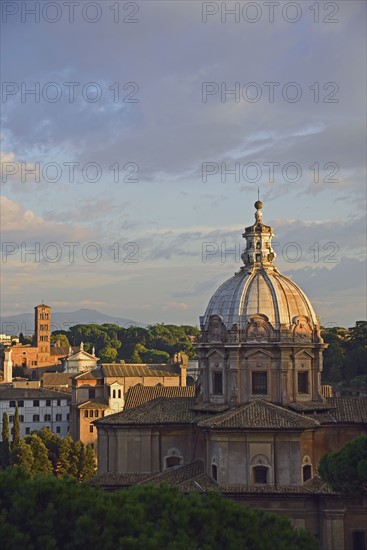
x=258, y=288
x=262, y=291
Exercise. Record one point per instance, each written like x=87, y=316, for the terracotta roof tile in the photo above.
x=164, y=410
x=259, y=415
x=93, y=405
x=178, y=475
x=111, y=479
x=31, y=393
x=137, y=395
x=136, y=370
x=57, y=379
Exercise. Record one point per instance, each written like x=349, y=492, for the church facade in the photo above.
x=259, y=423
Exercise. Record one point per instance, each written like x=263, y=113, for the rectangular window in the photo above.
x=48, y=402
x=259, y=383
x=303, y=382
x=58, y=429
x=36, y=418
x=260, y=474
x=21, y=418
x=27, y=431
x=36, y=403
x=47, y=418
x=91, y=429
x=11, y=418
x=92, y=394
x=20, y=403
x=58, y=402
x=217, y=383
x=359, y=540
x=58, y=418
x=12, y=404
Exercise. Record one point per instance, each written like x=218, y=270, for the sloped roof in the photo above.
x=62, y=350
x=57, y=378
x=177, y=475
x=164, y=410
x=137, y=395
x=345, y=409
x=95, y=374
x=136, y=369
x=92, y=404
x=8, y=392
x=111, y=479
x=259, y=415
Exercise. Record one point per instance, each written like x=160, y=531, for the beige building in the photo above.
x=259, y=422
x=102, y=391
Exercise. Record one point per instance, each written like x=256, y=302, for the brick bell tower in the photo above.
x=42, y=324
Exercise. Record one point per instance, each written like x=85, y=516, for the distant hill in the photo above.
x=61, y=320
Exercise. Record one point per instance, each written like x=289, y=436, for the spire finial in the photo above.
x=258, y=193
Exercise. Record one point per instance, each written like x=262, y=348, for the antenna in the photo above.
x=258, y=193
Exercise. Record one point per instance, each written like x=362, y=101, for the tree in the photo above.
x=346, y=470
x=108, y=354
x=42, y=463
x=16, y=428
x=22, y=455
x=5, y=444
x=63, y=466
x=60, y=340
x=90, y=466
x=44, y=512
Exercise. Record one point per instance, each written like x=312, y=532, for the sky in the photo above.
x=135, y=136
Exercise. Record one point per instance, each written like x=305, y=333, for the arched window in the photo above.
x=306, y=468
x=86, y=413
x=119, y=394
x=214, y=472
x=260, y=474
x=172, y=461
x=173, y=458
x=114, y=394
x=306, y=472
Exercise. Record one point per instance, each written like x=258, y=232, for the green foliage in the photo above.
x=346, y=470
x=108, y=355
x=346, y=355
x=44, y=512
x=46, y=452
x=112, y=342
x=5, y=443
x=60, y=339
x=22, y=455
x=16, y=428
x=41, y=464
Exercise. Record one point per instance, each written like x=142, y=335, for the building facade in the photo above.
x=38, y=408
x=259, y=422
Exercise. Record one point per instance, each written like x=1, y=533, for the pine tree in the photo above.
x=90, y=463
x=22, y=455
x=16, y=428
x=5, y=444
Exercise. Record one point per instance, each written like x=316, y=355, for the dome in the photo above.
x=258, y=288
x=261, y=291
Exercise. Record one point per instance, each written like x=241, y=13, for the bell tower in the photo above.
x=42, y=324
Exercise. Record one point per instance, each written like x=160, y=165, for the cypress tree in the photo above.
x=22, y=455
x=42, y=463
x=5, y=444
x=89, y=464
x=16, y=428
